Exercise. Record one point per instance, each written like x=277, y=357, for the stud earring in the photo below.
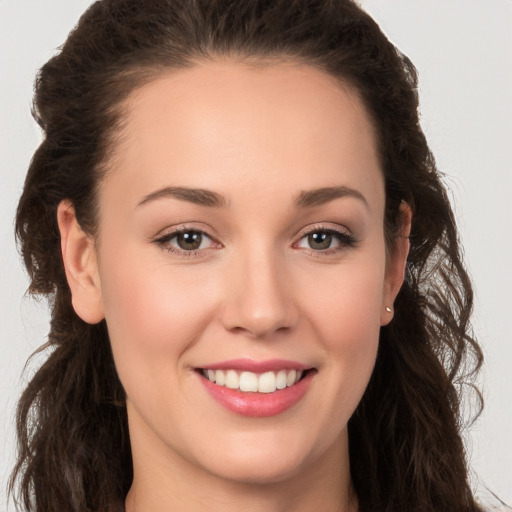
x=388, y=309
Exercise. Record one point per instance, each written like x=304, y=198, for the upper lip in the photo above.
x=249, y=365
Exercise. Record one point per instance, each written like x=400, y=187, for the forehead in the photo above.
x=222, y=123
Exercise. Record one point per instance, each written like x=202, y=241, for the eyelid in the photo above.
x=187, y=226
x=168, y=234
x=346, y=238
x=326, y=226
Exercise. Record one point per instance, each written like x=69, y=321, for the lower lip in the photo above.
x=258, y=405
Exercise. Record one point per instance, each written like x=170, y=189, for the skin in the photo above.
x=256, y=288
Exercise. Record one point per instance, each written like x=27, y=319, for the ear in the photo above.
x=396, y=264
x=81, y=265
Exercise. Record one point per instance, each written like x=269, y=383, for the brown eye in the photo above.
x=189, y=240
x=325, y=241
x=320, y=240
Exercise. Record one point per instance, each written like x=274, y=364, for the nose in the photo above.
x=259, y=300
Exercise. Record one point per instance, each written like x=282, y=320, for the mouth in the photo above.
x=252, y=382
x=253, y=389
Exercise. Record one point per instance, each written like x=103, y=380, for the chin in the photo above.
x=258, y=472
x=260, y=461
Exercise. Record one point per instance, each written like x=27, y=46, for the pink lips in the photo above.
x=258, y=405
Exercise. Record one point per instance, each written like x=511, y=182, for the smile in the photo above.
x=247, y=382
x=257, y=389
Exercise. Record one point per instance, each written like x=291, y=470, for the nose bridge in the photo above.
x=258, y=300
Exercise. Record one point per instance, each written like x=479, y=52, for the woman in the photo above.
x=223, y=210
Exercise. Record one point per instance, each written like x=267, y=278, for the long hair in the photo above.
x=406, y=450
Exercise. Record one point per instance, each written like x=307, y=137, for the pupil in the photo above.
x=320, y=240
x=189, y=241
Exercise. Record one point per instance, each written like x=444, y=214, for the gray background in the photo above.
x=463, y=51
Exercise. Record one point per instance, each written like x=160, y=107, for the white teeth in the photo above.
x=281, y=379
x=248, y=381
x=220, y=377
x=232, y=380
x=266, y=382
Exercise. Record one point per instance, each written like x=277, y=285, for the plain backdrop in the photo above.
x=463, y=51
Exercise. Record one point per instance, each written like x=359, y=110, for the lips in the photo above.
x=257, y=389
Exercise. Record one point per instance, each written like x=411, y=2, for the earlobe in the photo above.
x=396, y=265
x=81, y=265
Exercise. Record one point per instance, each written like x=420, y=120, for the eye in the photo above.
x=190, y=240
x=185, y=241
x=320, y=240
x=325, y=240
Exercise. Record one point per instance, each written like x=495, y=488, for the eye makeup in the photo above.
x=320, y=240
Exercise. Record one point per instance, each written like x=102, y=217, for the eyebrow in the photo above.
x=198, y=196
x=204, y=197
x=324, y=195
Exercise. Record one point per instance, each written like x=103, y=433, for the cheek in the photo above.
x=352, y=334
x=153, y=310
x=347, y=320
x=341, y=307
x=345, y=304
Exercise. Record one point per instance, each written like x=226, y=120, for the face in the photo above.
x=241, y=242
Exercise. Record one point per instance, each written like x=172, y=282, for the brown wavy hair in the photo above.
x=406, y=449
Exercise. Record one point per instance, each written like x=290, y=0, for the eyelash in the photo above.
x=164, y=241
x=345, y=239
